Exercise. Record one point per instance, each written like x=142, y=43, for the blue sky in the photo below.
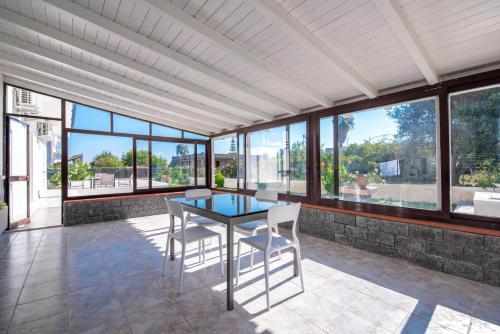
x=367, y=124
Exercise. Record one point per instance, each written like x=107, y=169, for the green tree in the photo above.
x=474, y=131
x=182, y=149
x=232, y=147
x=79, y=171
x=298, y=159
x=106, y=159
x=142, y=157
x=219, y=178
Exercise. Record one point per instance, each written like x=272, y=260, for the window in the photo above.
x=241, y=161
x=20, y=101
x=124, y=124
x=165, y=131
x=201, y=163
x=387, y=155
x=173, y=164
x=327, y=179
x=277, y=159
x=83, y=117
x=225, y=158
x=475, y=151
x=142, y=163
x=99, y=164
x=298, y=158
x=190, y=135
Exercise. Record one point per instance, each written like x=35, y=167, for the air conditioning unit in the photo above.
x=43, y=131
x=25, y=102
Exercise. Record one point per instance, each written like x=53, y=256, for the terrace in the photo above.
x=250, y=166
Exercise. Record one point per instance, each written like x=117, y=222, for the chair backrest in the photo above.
x=175, y=210
x=266, y=195
x=198, y=193
x=282, y=214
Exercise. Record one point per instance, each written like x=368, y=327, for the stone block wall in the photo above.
x=469, y=255
x=96, y=211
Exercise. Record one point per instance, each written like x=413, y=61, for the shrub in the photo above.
x=219, y=179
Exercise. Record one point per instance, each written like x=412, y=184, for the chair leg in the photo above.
x=183, y=256
x=266, y=268
x=254, y=233
x=166, y=254
x=238, y=257
x=299, y=263
x=279, y=251
x=221, y=256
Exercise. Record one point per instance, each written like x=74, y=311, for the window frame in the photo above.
x=442, y=92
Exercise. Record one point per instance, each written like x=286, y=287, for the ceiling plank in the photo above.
x=160, y=50
x=396, y=18
x=310, y=43
x=186, y=116
x=37, y=51
x=74, y=42
x=195, y=26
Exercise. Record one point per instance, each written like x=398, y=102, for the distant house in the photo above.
x=186, y=161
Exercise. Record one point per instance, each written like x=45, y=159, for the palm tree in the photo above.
x=346, y=123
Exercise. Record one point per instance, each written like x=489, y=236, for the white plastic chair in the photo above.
x=253, y=227
x=187, y=235
x=271, y=242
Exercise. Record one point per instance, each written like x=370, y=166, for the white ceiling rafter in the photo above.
x=236, y=50
x=160, y=50
x=74, y=42
x=313, y=45
x=44, y=85
x=396, y=18
x=173, y=113
x=36, y=82
x=214, y=115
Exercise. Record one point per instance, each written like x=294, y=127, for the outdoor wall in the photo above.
x=107, y=209
x=469, y=255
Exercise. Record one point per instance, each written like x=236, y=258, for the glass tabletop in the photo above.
x=230, y=205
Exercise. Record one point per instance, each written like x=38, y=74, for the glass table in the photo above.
x=228, y=209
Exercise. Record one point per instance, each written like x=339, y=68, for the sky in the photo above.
x=367, y=124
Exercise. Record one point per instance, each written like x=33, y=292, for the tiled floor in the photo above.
x=106, y=278
x=43, y=217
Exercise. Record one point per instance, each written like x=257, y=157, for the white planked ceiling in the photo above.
x=223, y=64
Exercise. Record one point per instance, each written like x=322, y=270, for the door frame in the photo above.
x=8, y=119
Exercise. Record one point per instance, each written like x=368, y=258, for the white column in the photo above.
x=2, y=197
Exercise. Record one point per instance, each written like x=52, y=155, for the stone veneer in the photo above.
x=473, y=256
x=469, y=255
x=107, y=209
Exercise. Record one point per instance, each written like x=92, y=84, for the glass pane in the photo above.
x=298, y=159
x=326, y=157
x=201, y=164
x=225, y=155
x=99, y=164
x=267, y=160
x=165, y=131
x=18, y=201
x=18, y=148
x=83, y=117
x=475, y=152
x=241, y=162
x=388, y=155
x=173, y=164
x=142, y=163
x=124, y=124
x=190, y=135
x=25, y=102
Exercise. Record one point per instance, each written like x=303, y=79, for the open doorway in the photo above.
x=34, y=139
